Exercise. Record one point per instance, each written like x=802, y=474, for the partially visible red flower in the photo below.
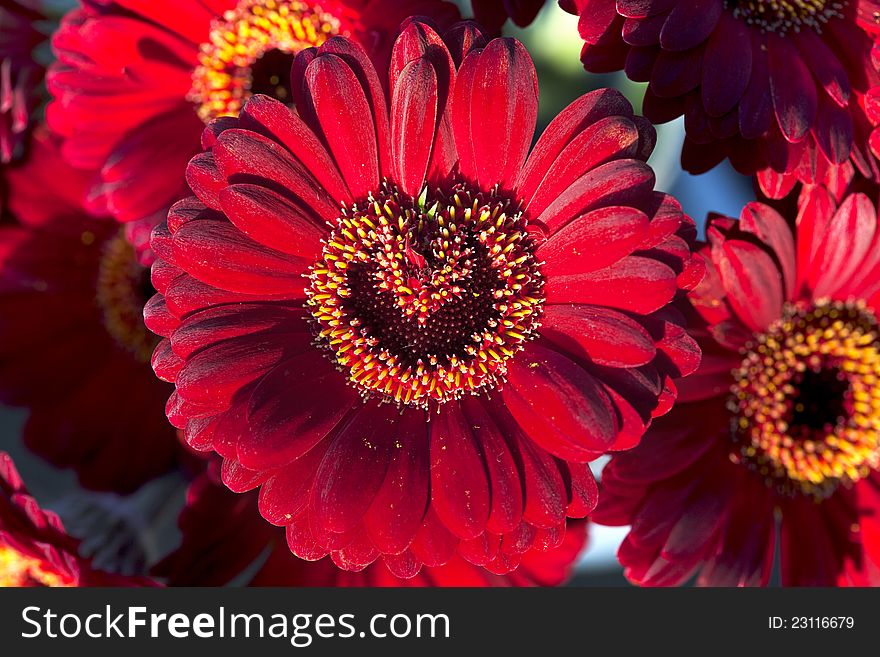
x=137, y=79
x=492, y=14
x=776, y=87
x=411, y=334
x=35, y=550
x=73, y=346
x=776, y=437
x=223, y=536
x=20, y=74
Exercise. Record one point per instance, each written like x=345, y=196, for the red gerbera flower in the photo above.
x=34, y=548
x=492, y=14
x=20, y=74
x=782, y=419
x=73, y=346
x=137, y=78
x=776, y=87
x=355, y=371
x=223, y=536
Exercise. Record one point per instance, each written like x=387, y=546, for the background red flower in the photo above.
x=779, y=421
x=74, y=350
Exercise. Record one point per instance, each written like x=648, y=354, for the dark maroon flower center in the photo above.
x=250, y=50
x=807, y=401
x=780, y=16
x=424, y=300
x=123, y=289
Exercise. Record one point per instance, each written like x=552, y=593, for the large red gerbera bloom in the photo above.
x=355, y=371
x=20, y=74
x=73, y=346
x=776, y=87
x=34, y=548
x=492, y=14
x=782, y=419
x=223, y=537
x=137, y=78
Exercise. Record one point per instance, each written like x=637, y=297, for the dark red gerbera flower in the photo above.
x=781, y=420
x=73, y=346
x=20, y=74
x=353, y=284
x=136, y=79
x=492, y=14
x=34, y=548
x=776, y=87
x=224, y=538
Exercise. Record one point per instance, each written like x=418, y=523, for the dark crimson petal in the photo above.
x=621, y=182
x=205, y=179
x=434, y=545
x=558, y=404
x=727, y=66
x=644, y=8
x=583, y=492
x=596, y=19
x=639, y=32
x=274, y=119
x=245, y=156
x=753, y=282
x=566, y=126
x=215, y=373
x=846, y=242
x=756, y=105
x=273, y=221
x=690, y=23
x=771, y=228
x=676, y=73
x=346, y=120
x=288, y=413
x=301, y=541
x=593, y=241
x=215, y=252
x=546, y=497
x=825, y=65
x=601, y=335
x=504, y=480
x=792, y=89
x=353, y=468
x=285, y=495
x=459, y=486
x=495, y=108
x=636, y=284
x=611, y=138
x=218, y=323
x=413, y=120
x=834, y=131
x=400, y=504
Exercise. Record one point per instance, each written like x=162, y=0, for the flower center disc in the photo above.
x=18, y=570
x=422, y=301
x=807, y=399
x=250, y=50
x=780, y=16
x=123, y=290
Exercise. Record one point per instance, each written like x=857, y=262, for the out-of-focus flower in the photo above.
x=20, y=74
x=431, y=374
x=781, y=420
x=224, y=538
x=492, y=14
x=34, y=548
x=776, y=87
x=73, y=346
x=136, y=79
